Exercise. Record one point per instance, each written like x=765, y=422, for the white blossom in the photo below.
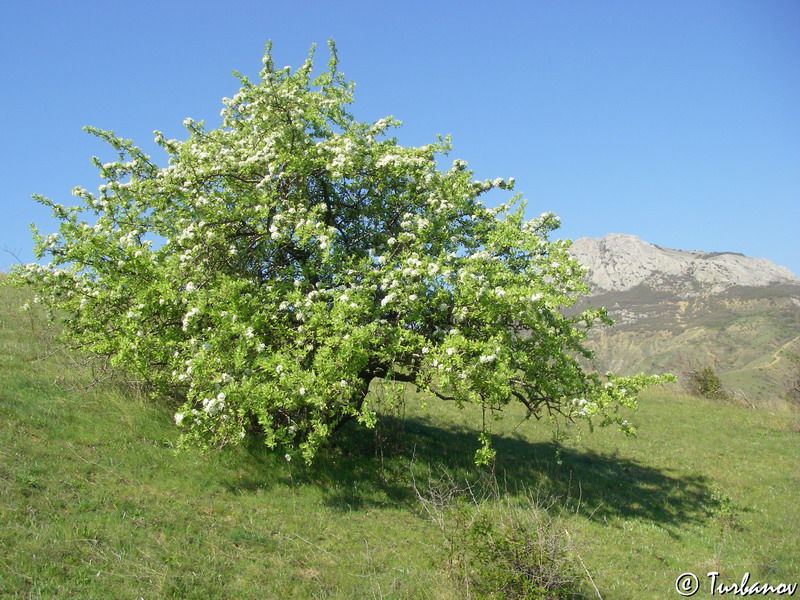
x=214, y=405
x=188, y=316
x=388, y=298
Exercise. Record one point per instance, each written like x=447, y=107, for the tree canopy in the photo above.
x=286, y=260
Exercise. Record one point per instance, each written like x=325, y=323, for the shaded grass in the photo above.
x=95, y=502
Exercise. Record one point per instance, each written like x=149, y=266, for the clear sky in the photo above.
x=675, y=121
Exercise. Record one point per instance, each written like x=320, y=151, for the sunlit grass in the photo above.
x=96, y=503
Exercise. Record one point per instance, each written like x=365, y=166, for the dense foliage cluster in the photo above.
x=284, y=261
x=702, y=380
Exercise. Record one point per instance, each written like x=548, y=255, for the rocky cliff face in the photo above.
x=620, y=262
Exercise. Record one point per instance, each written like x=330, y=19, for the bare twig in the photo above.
x=313, y=545
x=583, y=564
x=743, y=396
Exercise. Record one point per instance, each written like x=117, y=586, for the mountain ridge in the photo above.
x=620, y=262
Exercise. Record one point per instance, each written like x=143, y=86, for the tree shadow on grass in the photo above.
x=378, y=468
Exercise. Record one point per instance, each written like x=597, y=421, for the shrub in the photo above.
x=515, y=552
x=494, y=547
x=281, y=263
x=702, y=380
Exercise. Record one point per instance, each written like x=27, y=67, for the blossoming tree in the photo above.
x=283, y=262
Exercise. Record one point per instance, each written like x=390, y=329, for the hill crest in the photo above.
x=621, y=262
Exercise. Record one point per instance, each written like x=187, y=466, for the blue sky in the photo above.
x=675, y=121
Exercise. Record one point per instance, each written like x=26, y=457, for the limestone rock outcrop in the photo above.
x=619, y=262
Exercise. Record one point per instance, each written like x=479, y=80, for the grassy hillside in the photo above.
x=750, y=335
x=96, y=503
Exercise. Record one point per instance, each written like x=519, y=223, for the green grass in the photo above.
x=96, y=503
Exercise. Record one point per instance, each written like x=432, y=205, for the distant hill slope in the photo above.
x=673, y=307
